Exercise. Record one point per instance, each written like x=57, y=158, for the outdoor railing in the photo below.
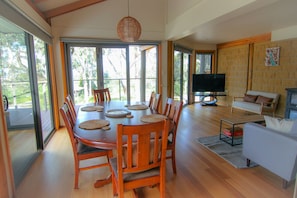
x=117, y=87
x=19, y=94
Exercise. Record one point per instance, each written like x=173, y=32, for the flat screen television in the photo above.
x=208, y=82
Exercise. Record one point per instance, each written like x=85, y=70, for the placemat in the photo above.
x=152, y=118
x=117, y=113
x=92, y=108
x=93, y=124
x=138, y=107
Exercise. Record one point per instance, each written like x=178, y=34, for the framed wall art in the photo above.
x=272, y=56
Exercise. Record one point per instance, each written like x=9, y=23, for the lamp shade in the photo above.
x=129, y=29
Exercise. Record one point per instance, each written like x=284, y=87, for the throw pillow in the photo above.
x=278, y=124
x=264, y=99
x=250, y=98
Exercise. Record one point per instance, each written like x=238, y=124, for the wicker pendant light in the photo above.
x=129, y=29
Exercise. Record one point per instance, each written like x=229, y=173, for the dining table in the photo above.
x=109, y=114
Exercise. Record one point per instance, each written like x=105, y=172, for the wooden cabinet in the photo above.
x=291, y=103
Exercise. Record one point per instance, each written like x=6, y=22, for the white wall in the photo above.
x=284, y=33
x=200, y=13
x=100, y=20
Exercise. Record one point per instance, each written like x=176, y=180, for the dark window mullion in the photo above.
x=100, y=72
x=34, y=90
x=128, y=72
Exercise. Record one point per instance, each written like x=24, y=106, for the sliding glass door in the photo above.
x=44, y=88
x=129, y=71
x=181, y=75
x=26, y=88
x=17, y=87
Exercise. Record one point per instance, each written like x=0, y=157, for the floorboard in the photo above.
x=200, y=173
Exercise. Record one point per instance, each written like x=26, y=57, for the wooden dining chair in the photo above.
x=141, y=157
x=80, y=150
x=155, y=101
x=71, y=106
x=101, y=95
x=172, y=110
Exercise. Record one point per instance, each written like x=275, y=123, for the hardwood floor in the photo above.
x=200, y=173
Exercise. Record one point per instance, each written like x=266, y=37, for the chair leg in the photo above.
x=114, y=188
x=76, y=167
x=285, y=184
x=109, y=156
x=173, y=161
x=135, y=194
x=248, y=162
x=162, y=185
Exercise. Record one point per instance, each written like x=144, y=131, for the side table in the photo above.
x=233, y=122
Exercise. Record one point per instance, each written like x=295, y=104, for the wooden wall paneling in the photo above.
x=250, y=67
x=53, y=87
x=63, y=63
x=192, y=70
x=214, y=61
x=160, y=74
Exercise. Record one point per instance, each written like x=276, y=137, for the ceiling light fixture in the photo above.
x=129, y=29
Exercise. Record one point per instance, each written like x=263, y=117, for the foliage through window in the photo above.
x=129, y=71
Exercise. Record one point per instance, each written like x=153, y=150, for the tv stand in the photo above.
x=211, y=102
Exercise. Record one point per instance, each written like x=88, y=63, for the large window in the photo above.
x=129, y=71
x=204, y=62
x=204, y=65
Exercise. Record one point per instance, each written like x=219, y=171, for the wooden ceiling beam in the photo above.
x=245, y=41
x=35, y=8
x=69, y=8
x=37, y=1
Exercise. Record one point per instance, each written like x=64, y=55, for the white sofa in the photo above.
x=259, y=106
x=272, y=149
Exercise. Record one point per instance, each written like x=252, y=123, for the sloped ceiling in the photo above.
x=258, y=17
x=52, y=8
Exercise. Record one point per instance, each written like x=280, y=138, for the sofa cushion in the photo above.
x=249, y=98
x=282, y=125
x=294, y=128
x=248, y=106
x=264, y=99
x=275, y=96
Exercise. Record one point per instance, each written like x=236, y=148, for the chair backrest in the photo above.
x=71, y=106
x=66, y=115
x=140, y=147
x=155, y=100
x=168, y=107
x=101, y=95
x=172, y=111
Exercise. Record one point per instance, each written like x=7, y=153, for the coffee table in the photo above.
x=233, y=122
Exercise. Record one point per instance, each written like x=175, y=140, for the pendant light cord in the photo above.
x=128, y=8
